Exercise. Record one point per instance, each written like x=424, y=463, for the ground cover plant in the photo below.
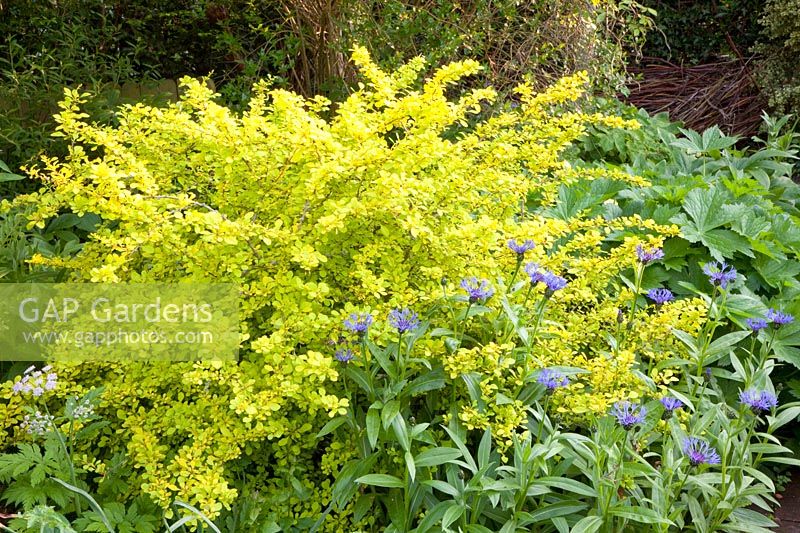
x=446, y=324
x=737, y=205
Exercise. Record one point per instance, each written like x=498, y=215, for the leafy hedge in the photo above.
x=101, y=44
x=777, y=73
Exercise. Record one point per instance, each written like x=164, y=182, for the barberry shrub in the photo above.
x=382, y=200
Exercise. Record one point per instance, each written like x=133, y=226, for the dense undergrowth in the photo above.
x=454, y=318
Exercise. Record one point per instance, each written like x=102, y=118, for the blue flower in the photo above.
x=778, y=318
x=520, y=248
x=719, y=274
x=358, y=322
x=554, y=282
x=345, y=355
x=671, y=404
x=629, y=414
x=478, y=290
x=756, y=324
x=552, y=379
x=758, y=401
x=403, y=320
x=648, y=255
x=700, y=452
x=660, y=296
x=536, y=275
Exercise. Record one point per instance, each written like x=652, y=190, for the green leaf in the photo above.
x=452, y=514
x=384, y=360
x=698, y=516
x=9, y=176
x=362, y=506
x=344, y=488
x=331, y=425
x=571, y=201
x=723, y=243
x=704, y=207
x=777, y=272
x=752, y=519
x=589, y=524
x=464, y=451
x=750, y=225
x=437, y=456
x=477, y=528
x=553, y=510
x=412, y=469
x=94, y=505
x=485, y=448
x=433, y=516
x=198, y=514
x=373, y=426
x=639, y=514
x=567, y=484
x=441, y=486
x=687, y=340
x=401, y=431
x=784, y=416
x=744, y=305
x=787, y=354
x=725, y=344
x=390, y=411
x=381, y=480
x=429, y=381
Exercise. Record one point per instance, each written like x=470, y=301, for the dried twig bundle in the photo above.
x=722, y=93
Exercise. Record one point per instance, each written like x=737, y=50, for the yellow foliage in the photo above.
x=311, y=210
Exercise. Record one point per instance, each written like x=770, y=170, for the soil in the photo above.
x=788, y=514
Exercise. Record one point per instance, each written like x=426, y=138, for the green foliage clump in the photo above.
x=780, y=46
x=545, y=40
x=104, y=47
x=738, y=205
x=101, y=46
x=699, y=32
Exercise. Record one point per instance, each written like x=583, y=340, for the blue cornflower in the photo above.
x=536, y=275
x=700, y=452
x=758, y=401
x=520, y=248
x=778, y=318
x=358, y=322
x=756, y=324
x=554, y=282
x=477, y=290
x=671, y=404
x=660, y=296
x=720, y=273
x=629, y=414
x=550, y=279
x=403, y=320
x=344, y=355
x=552, y=379
x=648, y=255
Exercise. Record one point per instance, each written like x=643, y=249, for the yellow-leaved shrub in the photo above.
x=316, y=210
